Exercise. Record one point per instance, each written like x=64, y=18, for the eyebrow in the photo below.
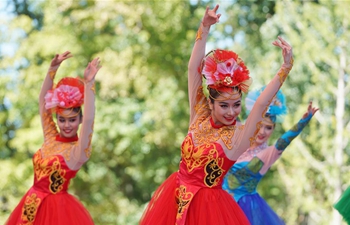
x=239, y=101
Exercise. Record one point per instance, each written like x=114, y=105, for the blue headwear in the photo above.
x=277, y=108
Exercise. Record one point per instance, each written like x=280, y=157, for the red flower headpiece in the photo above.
x=69, y=93
x=224, y=69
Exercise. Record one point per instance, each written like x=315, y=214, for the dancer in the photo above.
x=215, y=140
x=244, y=176
x=193, y=194
x=62, y=154
x=343, y=205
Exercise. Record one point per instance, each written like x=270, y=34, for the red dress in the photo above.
x=193, y=194
x=47, y=201
x=59, y=159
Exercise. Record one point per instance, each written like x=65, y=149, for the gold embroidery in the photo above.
x=213, y=169
x=88, y=149
x=182, y=199
x=54, y=172
x=52, y=74
x=204, y=133
x=57, y=177
x=93, y=88
x=30, y=208
x=199, y=33
x=252, y=139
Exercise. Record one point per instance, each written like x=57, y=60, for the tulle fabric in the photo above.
x=258, y=211
x=59, y=209
x=343, y=205
x=208, y=207
x=215, y=206
x=162, y=208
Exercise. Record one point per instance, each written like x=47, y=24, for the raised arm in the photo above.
x=244, y=138
x=289, y=136
x=82, y=153
x=198, y=52
x=46, y=117
x=274, y=152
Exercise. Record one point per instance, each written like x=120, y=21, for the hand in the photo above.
x=210, y=16
x=286, y=50
x=59, y=58
x=310, y=110
x=92, y=69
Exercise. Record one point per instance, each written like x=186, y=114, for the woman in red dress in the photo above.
x=215, y=140
x=62, y=154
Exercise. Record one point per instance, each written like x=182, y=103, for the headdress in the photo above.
x=223, y=70
x=277, y=108
x=68, y=93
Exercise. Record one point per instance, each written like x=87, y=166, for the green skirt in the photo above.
x=343, y=205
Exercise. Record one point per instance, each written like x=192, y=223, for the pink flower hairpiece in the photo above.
x=69, y=93
x=224, y=70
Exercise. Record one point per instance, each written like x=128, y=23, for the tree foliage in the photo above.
x=142, y=107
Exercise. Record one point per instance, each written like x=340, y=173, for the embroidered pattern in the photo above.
x=183, y=199
x=199, y=33
x=88, y=149
x=213, y=170
x=52, y=74
x=30, y=208
x=54, y=172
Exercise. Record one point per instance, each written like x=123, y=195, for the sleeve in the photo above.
x=194, y=76
x=243, y=139
x=48, y=125
x=83, y=151
x=272, y=154
x=283, y=142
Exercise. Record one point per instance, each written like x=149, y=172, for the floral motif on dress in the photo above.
x=30, y=208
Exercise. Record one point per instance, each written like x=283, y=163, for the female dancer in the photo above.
x=343, y=205
x=244, y=176
x=62, y=154
x=193, y=194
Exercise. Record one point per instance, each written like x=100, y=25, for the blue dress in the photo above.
x=242, y=179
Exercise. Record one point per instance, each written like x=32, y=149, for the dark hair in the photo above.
x=76, y=110
x=213, y=93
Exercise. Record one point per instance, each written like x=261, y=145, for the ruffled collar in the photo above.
x=221, y=125
x=65, y=139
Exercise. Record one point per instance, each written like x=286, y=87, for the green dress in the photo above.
x=343, y=205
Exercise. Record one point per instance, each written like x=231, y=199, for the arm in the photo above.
x=46, y=117
x=245, y=137
x=283, y=142
x=83, y=151
x=197, y=55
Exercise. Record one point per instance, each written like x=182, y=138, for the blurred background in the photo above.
x=142, y=104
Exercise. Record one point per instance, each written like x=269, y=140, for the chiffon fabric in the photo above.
x=343, y=205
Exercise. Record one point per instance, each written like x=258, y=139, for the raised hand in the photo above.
x=310, y=110
x=92, y=69
x=59, y=58
x=210, y=16
x=286, y=50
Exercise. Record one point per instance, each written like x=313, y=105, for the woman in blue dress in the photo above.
x=243, y=177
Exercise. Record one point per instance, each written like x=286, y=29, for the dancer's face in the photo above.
x=265, y=131
x=225, y=108
x=68, y=122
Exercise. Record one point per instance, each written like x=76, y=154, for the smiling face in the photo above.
x=225, y=108
x=265, y=131
x=68, y=122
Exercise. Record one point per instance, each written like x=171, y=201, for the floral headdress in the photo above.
x=224, y=69
x=277, y=108
x=68, y=93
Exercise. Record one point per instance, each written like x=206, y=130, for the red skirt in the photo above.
x=59, y=209
x=208, y=206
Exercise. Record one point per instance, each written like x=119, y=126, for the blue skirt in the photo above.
x=258, y=211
